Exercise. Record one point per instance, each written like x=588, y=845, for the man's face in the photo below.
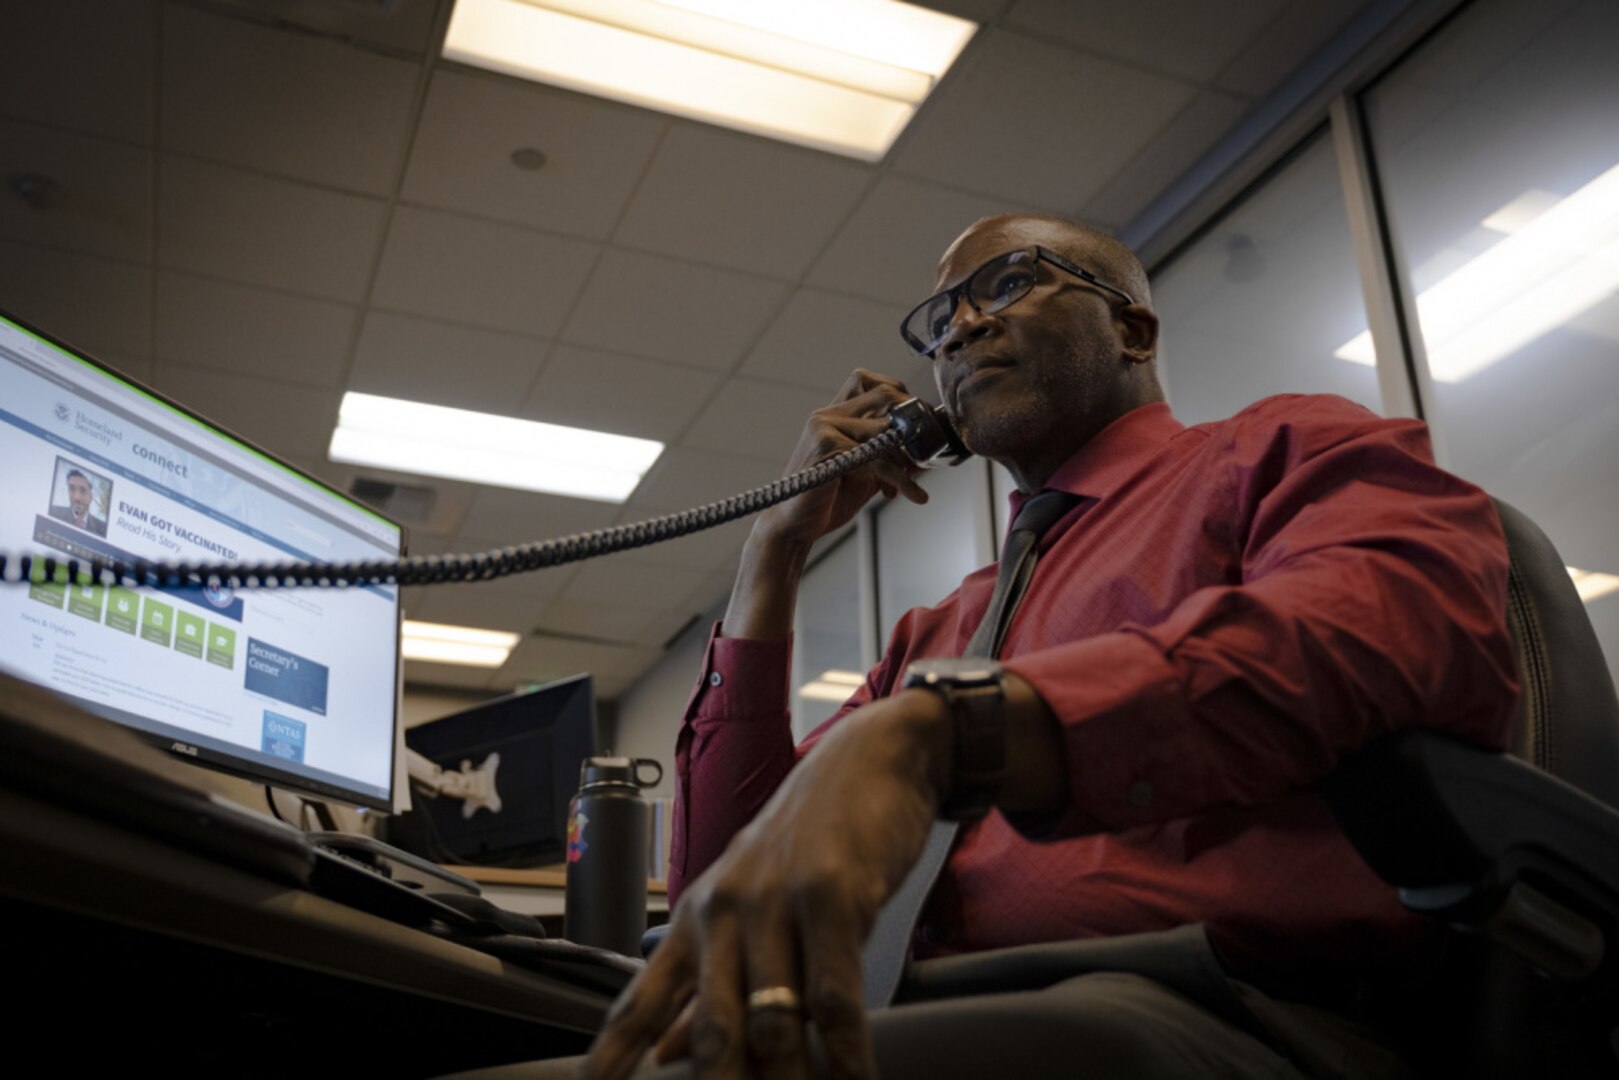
x=78, y=493
x=1038, y=373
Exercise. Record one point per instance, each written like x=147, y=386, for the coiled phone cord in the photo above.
x=437, y=569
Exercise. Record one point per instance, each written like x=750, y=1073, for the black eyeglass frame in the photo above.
x=964, y=288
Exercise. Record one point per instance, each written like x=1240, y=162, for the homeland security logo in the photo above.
x=63, y=412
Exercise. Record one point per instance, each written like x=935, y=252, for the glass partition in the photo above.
x=1262, y=301
x=1498, y=147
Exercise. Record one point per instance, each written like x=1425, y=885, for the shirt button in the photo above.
x=715, y=678
x=1140, y=794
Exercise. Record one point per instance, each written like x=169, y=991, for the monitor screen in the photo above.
x=540, y=737
x=297, y=687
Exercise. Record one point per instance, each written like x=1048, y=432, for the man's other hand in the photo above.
x=789, y=905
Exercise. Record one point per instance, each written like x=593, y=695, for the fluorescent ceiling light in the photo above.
x=832, y=686
x=838, y=75
x=1591, y=584
x=433, y=440
x=1554, y=265
x=456, y=644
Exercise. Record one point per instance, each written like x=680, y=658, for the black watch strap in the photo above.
x=972, y=688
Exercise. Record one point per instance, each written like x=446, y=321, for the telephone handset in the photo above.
x=921, y=431
x=927, y=433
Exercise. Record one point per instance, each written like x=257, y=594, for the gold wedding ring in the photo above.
x=775, y=999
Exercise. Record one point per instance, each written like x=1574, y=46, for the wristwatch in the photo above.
x=972, y=688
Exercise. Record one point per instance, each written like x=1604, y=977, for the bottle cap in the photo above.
x=625, y=771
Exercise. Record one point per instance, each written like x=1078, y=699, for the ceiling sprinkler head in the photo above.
x=528, y=158
x=39, y=191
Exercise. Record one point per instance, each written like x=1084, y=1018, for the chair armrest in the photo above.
x=1488, y=843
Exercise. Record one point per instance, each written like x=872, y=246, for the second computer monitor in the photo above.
x=541, y=735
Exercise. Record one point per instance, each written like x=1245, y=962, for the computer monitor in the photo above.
x=294, y=687
x=541, y=736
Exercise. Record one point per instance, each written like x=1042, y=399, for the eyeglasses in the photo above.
x=995, y=286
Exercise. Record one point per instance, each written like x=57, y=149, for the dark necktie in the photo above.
x=890, y=943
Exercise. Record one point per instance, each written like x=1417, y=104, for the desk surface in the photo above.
x=133, y=946
x=549, y=877
x=144, y=914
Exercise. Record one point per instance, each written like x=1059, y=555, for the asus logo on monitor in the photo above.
x=182, y=748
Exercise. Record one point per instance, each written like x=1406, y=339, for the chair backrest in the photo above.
x=1568, y=714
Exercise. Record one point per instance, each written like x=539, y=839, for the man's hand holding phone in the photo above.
x=858, y=414
x=767, y=581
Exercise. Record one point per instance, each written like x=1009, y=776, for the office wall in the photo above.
x=648, y=713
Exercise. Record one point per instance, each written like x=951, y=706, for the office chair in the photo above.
x=1518, y=852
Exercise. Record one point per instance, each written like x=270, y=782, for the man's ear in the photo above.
x=1138, y=327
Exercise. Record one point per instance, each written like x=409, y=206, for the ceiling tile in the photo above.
x=889, y=249
x=489, y=605
x=756, y=419
x=820, y=338
x=90, y=303
x=405, y=25
x=449, y=503
x=608, y=623
x=977, y=10
x=135, y=367
x=284, y=102
x=288, y=420
x=227, y=223
x=544, y=659
x=481, y=273
x=226, y=327
x=103, y=199
x=1189, y=136
x=710, y=596
x=621, y=394
x=1189, y=41
x=46, y=39
x=1033, y=153
x=461, y=158
x=420, y=673
x=1278, y=49
x=421, y=360
x=682, y=479
x=740, y=201
x=518, y=517
x=671, y=310
x=618, y=579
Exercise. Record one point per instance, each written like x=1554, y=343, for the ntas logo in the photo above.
x=63, y=412
x=182, y=748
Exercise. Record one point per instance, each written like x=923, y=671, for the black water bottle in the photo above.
x=608, y=830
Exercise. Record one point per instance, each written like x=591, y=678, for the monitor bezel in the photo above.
x=217, y=760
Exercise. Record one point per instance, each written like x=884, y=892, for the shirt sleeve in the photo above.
x=1371, y=598
x=734, y=748
x=735, y=745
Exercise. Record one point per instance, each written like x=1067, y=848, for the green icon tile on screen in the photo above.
x=157, y=621
x=190, y=633
x=123, y=609
x=221, y=645
x=85, y=600
x=52, y=592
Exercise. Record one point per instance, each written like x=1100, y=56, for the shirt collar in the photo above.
x=1116, y=453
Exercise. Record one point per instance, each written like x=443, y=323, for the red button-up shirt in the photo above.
x=1229, y=609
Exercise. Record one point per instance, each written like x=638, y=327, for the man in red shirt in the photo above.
x=1220, y=615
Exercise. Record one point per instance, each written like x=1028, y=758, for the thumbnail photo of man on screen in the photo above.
x=80, y=497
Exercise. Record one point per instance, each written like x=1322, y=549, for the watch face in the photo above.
x=959, y=670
